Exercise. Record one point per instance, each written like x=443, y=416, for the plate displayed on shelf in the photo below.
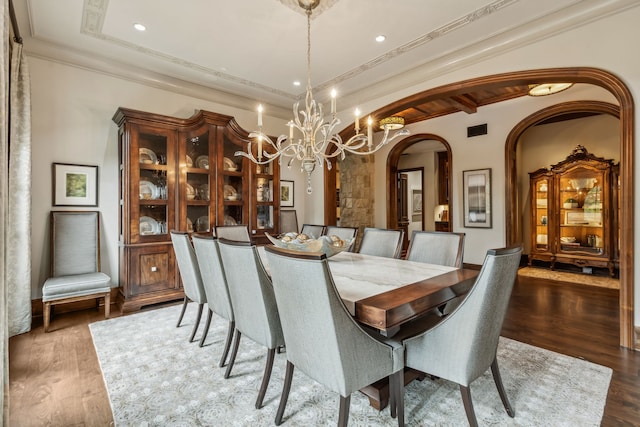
x=228, y=220
x=147, y=156
x=149, y=226
x=189, y=225
x=202, y=162
x=189, y=162
x=148, y=190
x=229, y=165
x=230, y=193
x=191, y=193
x=202, y=224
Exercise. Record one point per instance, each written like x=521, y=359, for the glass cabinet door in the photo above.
x=149, y=152
x=232, y=185
x=581, y=212
x=541, y=189
x=196, y=194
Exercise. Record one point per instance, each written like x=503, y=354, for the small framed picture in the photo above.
x=286, y=193
x=75, y=185
x=477, y=198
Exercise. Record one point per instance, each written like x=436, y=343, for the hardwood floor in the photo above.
x=56, y=379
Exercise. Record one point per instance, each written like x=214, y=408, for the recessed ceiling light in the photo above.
x=138, y=26
x=381, y=38
x=297, y=83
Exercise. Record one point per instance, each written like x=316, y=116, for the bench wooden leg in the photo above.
x=46, y=312
x=107, y=305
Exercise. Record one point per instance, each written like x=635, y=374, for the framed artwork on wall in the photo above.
x=75, y=185
x=477, y=198
x=286, y=193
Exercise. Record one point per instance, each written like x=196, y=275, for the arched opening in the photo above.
x=393, y=160
x=586, y=75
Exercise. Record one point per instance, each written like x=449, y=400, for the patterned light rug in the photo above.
x=154, y=377
x=561, y=276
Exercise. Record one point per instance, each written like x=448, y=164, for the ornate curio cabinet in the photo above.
x=573, y=212
x=182, y=174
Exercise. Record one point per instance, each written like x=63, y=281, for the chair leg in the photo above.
x=343, y=413
x=271, y=354
x=398, y=398
x=468, y=406
x=184, y=308
x=392, y=395
x=503, y=394
x=206, y=328
x=288, y=376
x=227, y=344
x=234, y=351
x=46, y=315
x=195, y=327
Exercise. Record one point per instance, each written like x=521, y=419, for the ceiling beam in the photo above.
x=465, y=103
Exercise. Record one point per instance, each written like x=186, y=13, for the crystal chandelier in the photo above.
x=319, y=141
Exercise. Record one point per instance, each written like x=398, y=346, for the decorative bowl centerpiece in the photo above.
x=328, y=245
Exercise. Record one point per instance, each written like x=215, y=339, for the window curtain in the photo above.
x=4, y=185
x=18, y=234
x=15, y=198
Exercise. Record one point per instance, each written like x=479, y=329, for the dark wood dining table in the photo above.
x=385, y=293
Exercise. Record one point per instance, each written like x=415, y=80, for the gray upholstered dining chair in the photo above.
x=463, y=345
x=312, y=230
x=239, y=233
x=214, y=282
x=345, y=233
x=288, y=221
x=382, y=242
x=75, y=262
x=323, y=340
x=191, y=279
x=437, y=247
x=254, y=305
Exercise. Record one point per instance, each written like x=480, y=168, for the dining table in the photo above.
x=385, y=293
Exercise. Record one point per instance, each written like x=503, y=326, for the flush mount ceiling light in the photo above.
x=392, y=123
x=544, y=89
x=319, y=142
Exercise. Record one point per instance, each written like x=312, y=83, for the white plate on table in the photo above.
x=202, y=162
x=147, y=156
x=148, y=190
x=149, y=226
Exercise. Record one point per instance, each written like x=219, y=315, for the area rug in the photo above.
x=561, y=276
x=155, y=377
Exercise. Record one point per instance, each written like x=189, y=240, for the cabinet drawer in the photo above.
x=152, y=269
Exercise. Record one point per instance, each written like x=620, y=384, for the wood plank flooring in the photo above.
x=56, y=379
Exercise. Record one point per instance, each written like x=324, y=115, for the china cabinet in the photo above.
x=182, y=174
x=573, y=212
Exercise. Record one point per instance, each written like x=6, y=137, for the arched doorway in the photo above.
x=393, y=160
x=593, y=76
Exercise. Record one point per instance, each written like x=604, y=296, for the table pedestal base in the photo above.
x=378, y=392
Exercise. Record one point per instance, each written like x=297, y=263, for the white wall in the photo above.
x=72, y=112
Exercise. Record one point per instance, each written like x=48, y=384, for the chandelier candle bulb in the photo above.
x=260, y=115
x=370, y=132
x=259, y=147
x=333, y=101
x=357, y=113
